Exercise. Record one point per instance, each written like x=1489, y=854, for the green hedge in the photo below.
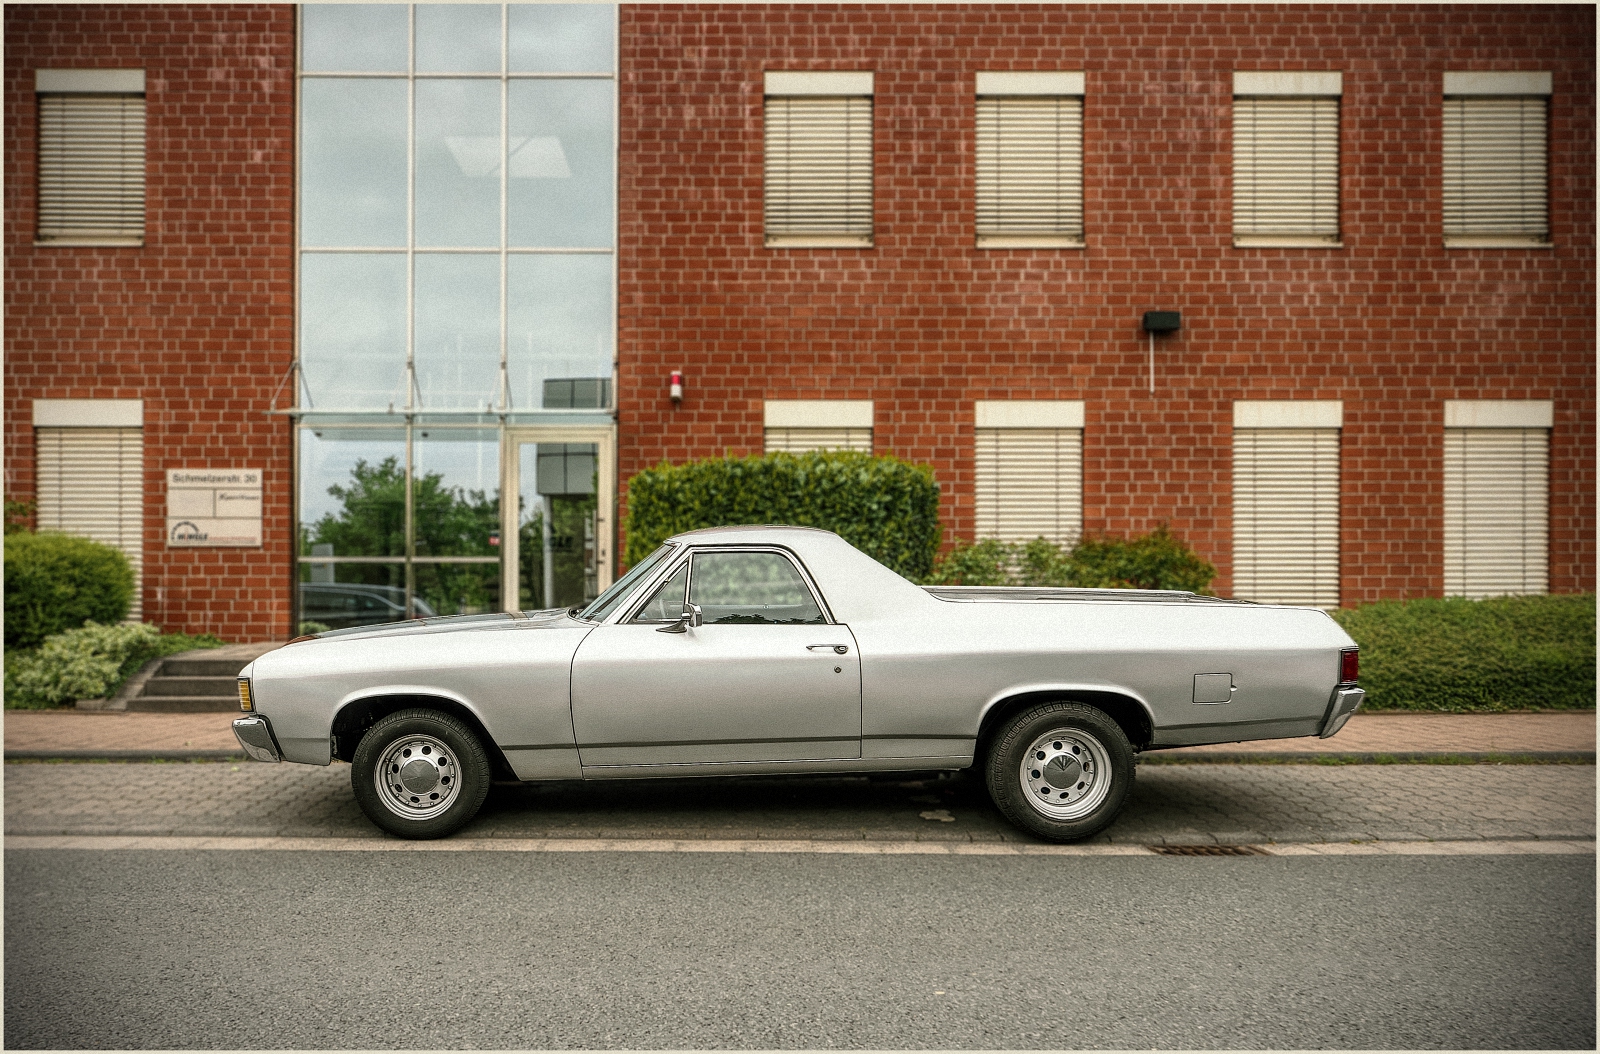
x=88, y=663
x=1504, y=653
x=57, y=582
x=1158, y=560
x=883, y=506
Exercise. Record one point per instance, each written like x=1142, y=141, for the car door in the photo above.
x=765, y=677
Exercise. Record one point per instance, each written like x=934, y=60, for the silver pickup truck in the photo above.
x=742, y=650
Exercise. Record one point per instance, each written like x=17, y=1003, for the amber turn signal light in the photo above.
x=245, y=703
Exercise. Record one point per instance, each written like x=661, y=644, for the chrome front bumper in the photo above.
x=1346, y=701
x=255, y=735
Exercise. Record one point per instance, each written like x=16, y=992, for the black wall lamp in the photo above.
x=1159, y=322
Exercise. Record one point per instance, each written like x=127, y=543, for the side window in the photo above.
x=752, y=589
x=667, y=603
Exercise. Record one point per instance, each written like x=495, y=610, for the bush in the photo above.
x=883, y=506
x=88, y=663
x=1455, y=655
x=1158, y=560
x=57, y=582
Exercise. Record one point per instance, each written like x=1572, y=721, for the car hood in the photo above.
x=450, y=624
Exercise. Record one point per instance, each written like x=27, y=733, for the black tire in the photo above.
x=1082, y=778
x=437, y=774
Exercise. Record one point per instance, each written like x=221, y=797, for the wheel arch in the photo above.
x=357, y=715
x=1131, y=713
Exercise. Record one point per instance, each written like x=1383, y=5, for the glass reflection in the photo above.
x=561, y=187
x=353, y=162
x=558, y=564
x=558, y=323
x=458, y=163
x=353, y=330
x=455, y=500
x=455, y=492
x=339, y=596
x=358, y=38
x=457, y=331
x=562, y=38
x=458, y=38
x=352, y=493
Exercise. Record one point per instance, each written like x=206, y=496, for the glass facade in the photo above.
x=457, y=190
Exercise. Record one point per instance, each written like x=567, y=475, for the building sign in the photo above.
x=213, y=507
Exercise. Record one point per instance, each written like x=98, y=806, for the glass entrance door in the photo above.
x=559, y=550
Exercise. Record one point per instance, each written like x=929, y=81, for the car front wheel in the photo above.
x=420, y=774
x=1060, y=770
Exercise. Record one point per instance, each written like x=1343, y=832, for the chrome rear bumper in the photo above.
x=1346, y=701
x=255, y=735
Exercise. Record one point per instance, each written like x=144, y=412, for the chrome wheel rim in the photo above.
x=1066, y=774
x=418, y=777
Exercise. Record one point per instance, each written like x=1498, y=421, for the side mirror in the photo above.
x=690, y=618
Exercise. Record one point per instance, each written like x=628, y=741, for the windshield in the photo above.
x=607, y=602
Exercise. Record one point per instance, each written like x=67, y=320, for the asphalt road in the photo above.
x=611, y=950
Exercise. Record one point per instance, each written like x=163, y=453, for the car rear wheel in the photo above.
x=420, y=774
x=1060, y=770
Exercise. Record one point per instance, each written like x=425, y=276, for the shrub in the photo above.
x=1456, y=655
x=883, y=506
x=313, y=626
x=1158, y=560
x=88, y=663
x=18, y=514
x=57, y=582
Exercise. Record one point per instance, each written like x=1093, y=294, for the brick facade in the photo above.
x=924, y=323
x=199, y=321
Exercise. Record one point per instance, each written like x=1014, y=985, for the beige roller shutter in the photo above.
x=1494, y=167
x=1286, y=168
x=91, y=167
x=801, y=440
x=1029, y=168
x=819, y=170
x=90, y=482
x=1286, y=515
x=1496, y=518
x=1028, y=483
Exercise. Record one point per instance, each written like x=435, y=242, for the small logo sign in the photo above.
x=187, y=531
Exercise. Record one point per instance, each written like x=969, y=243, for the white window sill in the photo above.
x=79, y=243
x=1496, y=241
x=1029, y=241
x=1287, y=241
x=819, y=241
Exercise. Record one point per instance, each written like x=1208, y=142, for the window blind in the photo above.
x=819, y=169
x=1496, y=511
x=1494, y=167
x=90, y=483
x=1286, y=515
x=801, y=440
x=1029, y=168
x=1285, y=168
x=1028, y=483
x=91, y=167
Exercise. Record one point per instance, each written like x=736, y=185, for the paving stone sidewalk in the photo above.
x=1173, y=804
x=110, y=733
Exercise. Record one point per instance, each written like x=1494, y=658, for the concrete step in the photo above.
x=164, y=684
x=182, y=704
x=228, y=667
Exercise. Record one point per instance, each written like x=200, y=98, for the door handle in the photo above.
x=837, y=649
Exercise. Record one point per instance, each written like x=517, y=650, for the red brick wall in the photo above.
x=924, y=323
x=199, y=321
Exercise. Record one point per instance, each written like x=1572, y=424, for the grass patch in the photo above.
x=1476, y=656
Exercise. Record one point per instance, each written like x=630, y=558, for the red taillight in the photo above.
x=1349, y=666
